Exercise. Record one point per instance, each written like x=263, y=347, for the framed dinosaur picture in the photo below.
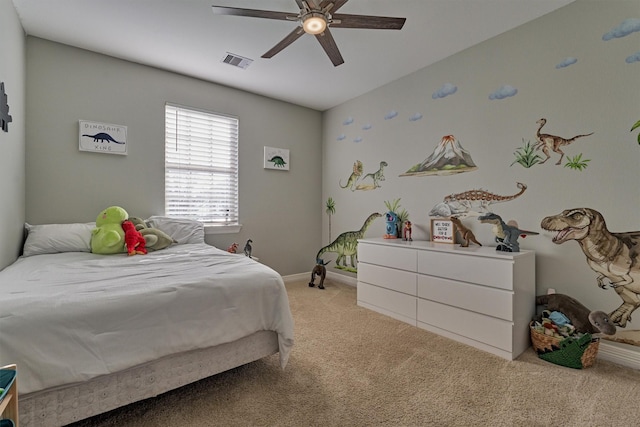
x=102, y=137
x=443, y=230
x=276, y=158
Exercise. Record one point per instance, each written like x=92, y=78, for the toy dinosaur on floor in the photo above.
x=506, y=234
x=319, y=270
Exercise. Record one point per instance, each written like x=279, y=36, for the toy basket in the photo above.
x=565, y=351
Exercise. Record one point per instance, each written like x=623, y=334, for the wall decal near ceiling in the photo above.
x=415, y=117
x=276, y=158
x=346, y=245
x=102, y=137
x=5, y=117
x=566, y=62
x=348, y=121
x=611, y=255
x=504, y=91
x=449, y=157
x=369, y=181
x=471, y=202
x=625, y=28
x=391, y=115
x=445, y=90
x=633, y=58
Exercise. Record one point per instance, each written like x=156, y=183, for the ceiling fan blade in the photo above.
x=253, y=13
x=337, y=4
x=330, y=47
x=365, y=21
x=290, y=38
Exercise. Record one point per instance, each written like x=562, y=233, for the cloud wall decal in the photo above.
x=566, y=62
x=391, y=115
x=625, y=28
x=633, y=58
x=504, y=91
x=445, y=90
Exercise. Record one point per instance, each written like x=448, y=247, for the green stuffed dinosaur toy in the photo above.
x=108, y=236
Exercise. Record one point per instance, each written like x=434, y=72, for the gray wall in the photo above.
x=12, y=143
x=279, y=210
x=600, y=93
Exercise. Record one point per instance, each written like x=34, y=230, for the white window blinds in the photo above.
x=201, y=165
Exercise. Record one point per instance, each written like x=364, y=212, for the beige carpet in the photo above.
x=353, y=367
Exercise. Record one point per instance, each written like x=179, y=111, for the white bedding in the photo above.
x=73, y=316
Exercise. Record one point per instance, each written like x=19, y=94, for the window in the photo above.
x=201, y=166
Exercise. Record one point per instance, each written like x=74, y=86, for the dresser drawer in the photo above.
x=388, y=302
x=397, y=280
x=481, y=299
x=396, y=257
x=489, y=330
x=494, y=272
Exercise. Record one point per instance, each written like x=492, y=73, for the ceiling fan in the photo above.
x=315, y=17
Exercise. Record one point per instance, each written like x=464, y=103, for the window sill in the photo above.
x=222, y=229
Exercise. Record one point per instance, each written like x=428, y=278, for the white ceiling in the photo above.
x=186, y=37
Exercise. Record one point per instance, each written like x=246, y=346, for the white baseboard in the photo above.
x=621, y=354
x=347, y=280
x=296, y=277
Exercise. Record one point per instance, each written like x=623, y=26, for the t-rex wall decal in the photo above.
x=614, y=256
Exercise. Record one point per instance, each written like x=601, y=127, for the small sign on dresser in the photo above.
x=443, y=230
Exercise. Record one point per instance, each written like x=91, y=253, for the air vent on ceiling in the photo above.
x=237, y=60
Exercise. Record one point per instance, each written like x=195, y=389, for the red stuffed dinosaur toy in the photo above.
x=133, y=239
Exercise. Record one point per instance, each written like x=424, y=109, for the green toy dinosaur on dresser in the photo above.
x=346, y=244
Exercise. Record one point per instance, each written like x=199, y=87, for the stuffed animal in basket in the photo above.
x=584, y=320
x=108, y=236
x=133, y=239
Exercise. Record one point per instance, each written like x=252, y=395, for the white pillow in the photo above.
x=180, y=229
x=55, y=238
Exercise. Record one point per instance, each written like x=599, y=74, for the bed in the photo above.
x=91, y=333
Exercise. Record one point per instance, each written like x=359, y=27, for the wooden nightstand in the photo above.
x=9, y=397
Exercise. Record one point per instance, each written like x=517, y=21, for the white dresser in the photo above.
x=476, y=295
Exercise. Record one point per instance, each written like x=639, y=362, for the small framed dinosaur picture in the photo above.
x=276, y=158
x=102, y=138
x=443, y=230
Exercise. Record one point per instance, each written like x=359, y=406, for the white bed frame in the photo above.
x=66, y=404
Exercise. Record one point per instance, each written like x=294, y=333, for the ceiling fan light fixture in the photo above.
x=314, y=23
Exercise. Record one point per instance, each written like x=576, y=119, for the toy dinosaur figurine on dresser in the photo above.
x=466, y=235
x=506, y=234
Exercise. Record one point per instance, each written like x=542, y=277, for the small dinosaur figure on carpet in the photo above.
x=319, y=270
x=466, y=235
x=506, y=234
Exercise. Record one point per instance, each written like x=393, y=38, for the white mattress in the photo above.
x=70, y=317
